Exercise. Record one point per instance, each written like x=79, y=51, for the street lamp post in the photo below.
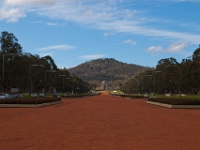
x=138, y=84
x=194, y=56
x=46, y=78
x=164, y=83
x=10, y=54
x=78, y=88
x=68, y=78
x=149, y=75
x=62, y=82
x=154, y=80
x=179, y=67
x=33, y=65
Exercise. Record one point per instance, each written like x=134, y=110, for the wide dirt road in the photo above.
x=101, y=122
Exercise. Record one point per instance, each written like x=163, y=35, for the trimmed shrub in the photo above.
x=28, y=100
x=81, y=95
x=133, y=96
x=176, y=101
x=129, y=96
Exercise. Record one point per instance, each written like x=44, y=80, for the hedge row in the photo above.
x=176, y=101
x=80, y=95
x=133, y=96
x=129, y=96
x=28, y=100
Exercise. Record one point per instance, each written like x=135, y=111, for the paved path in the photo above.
x=101, y=122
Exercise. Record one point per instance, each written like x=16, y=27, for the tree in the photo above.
x=9, y=43
x=196, y=55
x=50, y=61
x=24, y=72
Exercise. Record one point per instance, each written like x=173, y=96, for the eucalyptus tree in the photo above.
x=188, y=75
x=9, y=47
x=167, y=79
x=130, y=87
x=195, y=70
x=9, y=43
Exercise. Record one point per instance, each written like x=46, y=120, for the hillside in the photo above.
x=107, y=69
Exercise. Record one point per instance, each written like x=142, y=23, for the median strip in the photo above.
x=28, y=105
x=175, y=106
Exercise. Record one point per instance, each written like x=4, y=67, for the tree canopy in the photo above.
x=9, y=43
x=169, y=76
x=28, y=72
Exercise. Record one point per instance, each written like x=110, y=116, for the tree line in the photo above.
x=168, y=76
x=32, y=73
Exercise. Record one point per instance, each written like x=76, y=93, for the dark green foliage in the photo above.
x=128, y=95
x=27, y=71
x=28, y=100
x=9, y=43
x=133, y=96
x=176, y=101
x=80, y=95
x=169, y=76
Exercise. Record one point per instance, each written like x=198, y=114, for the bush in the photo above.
x=176, y=101
x=81, y=95
x=129, y=96
x=28, y=100
x=133, y=96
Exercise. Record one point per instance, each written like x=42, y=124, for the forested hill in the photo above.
x=108, y=69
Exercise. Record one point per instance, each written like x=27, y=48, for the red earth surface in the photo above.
x=102, y=122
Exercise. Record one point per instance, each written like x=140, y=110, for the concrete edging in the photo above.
x=175, y=106
x=28, y=105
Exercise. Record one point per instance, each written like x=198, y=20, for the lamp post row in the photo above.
x=62, y=82
x=53, y=71
x=45, y=76
x=10, y=54
x=154, y=87
x=3, y=66
x=33, y=65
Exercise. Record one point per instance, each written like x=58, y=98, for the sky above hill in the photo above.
x=72, y=32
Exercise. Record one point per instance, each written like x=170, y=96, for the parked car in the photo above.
x=34, y=95
x=42, y=95
x=17, y=95
x=4, y=95
x=54, y=95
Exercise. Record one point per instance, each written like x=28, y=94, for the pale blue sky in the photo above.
x=132, y=31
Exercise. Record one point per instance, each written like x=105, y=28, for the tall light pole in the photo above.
x=138, y=84
x=149, y=75
x=68, y=78
x=179, y=67
x=164, y=83
x=78, y=88
x=33, y=65
x=10, y=54
x=156, y=71
x=62, y=82
x=194, y=56
x=46, y=78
